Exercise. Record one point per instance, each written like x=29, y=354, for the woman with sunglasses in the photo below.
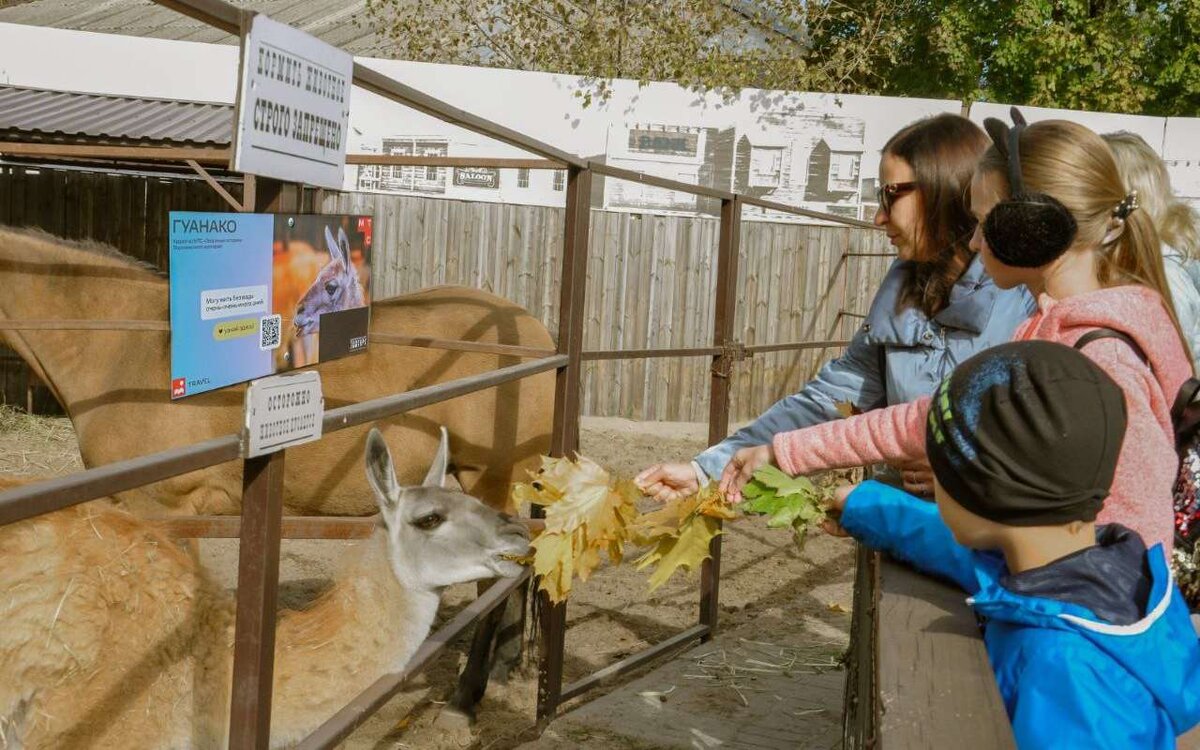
x=935, y=307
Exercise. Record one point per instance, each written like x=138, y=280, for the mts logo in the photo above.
x=178, y=387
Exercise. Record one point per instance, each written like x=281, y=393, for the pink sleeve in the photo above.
x=895, y=434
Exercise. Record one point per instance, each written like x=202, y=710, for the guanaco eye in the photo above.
x=429, y=521
x=331, y=288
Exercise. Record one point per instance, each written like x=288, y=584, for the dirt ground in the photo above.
x=771, y=592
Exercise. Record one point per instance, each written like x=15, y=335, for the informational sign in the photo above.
x=482, y=177
x=282, y=411
x=293, y=106
x=259, y=294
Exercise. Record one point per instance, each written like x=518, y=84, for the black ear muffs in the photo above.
x=1028, y=230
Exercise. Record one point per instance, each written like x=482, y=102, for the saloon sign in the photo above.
x=480, y=177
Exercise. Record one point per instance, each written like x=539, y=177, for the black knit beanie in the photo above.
x=1027, y=434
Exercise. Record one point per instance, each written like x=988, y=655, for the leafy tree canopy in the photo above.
x=1114, y=55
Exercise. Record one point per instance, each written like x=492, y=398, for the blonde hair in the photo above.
x=1177, y=223
x=1074, y=165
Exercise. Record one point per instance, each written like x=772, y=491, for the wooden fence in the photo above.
x=651, y=281
x=122, y=209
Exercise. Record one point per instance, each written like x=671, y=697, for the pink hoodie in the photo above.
x=1146, y=469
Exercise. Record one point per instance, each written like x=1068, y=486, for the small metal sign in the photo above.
x=282, y=411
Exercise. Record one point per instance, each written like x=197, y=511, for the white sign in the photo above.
x=282, y=411
x=293, y=106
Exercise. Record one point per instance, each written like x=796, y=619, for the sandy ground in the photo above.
x=771, y=591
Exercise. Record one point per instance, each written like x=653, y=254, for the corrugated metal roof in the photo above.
x=330, y=20
x=114, y=118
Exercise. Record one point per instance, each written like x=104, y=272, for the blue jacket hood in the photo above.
x=1161, y=650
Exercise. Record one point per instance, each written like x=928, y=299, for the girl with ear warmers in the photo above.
x=1055, y=217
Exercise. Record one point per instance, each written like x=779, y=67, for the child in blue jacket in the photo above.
x=1089, y=638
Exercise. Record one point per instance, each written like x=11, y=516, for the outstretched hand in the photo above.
x=667, y=482
x=741, y=468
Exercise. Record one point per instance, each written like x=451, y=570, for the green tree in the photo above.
x=702, y=44
x=1117, y=55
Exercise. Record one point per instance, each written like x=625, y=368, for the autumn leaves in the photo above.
x=590, y=514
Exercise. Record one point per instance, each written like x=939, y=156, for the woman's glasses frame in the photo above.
x=890, y=192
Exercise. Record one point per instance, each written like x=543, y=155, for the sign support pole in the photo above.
x=258, y=571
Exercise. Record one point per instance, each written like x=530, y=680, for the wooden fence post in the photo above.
x=729, y=242
x=564, y=440
x=258, y=583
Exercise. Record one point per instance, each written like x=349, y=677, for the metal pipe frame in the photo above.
x=294, y=527
x=62, y=492
x=219, y=156
x=564, y=439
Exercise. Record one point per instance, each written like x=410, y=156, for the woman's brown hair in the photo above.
x=1071, y=163
x=942, y=152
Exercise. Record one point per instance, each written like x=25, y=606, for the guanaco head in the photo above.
x=438, y=536
x=336, y=287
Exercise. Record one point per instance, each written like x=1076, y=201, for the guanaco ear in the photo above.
x=335, y=250
x=381, y=473
x=436, y=477
x=348, y=268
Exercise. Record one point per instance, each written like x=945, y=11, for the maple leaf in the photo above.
x=793, y=502
x=687, y=550
x=554, y=563
x=679, y=533
x=666, y=520
x=713, y=503
x=586, y=513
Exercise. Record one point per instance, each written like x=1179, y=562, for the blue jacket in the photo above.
x=919, y=353
x=1068, y=678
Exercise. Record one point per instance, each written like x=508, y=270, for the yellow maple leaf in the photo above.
x=586, y=513
x=666, y=520
x=680, y=532
x=712, y=502
x=553, y=562
x=687, y=550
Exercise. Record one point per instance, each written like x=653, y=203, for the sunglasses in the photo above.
x=889, y=192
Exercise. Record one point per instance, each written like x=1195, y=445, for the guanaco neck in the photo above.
x=369, y=624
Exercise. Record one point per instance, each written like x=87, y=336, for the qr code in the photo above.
x=268, y=332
